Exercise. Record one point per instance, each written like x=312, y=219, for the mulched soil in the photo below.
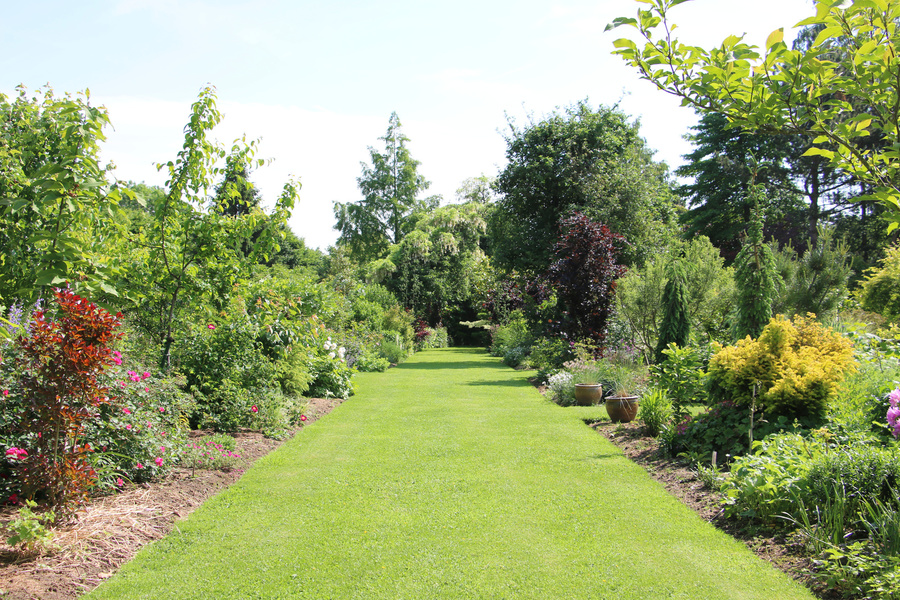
x=111, y=529
x=683, y=482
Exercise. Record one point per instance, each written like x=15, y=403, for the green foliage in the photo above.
x=655, y=411
x=398, y=324
x=859, y=570
x=709, y=289
x=584, y=159
x=224, y=366
x=516, y=333
x=214, y=452
x=292, y=371
x=31, y=530
x=756, y=281
x=766, y=484
x=721, y=167
x=681, y=374
x=390, y=188
x=859, y=471
x=435, y=269
x=675, y=328
x=549, y=353
x=433, y=337
x=815, y=91
x=392, y=352
x=725, y=430
x=191, y=252
x=815, y=282
x=880, y=290
x=793, y=369
x=331, y=378
x=55, y=224
x=860, y=405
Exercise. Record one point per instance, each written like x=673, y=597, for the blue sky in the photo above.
x=317, y=81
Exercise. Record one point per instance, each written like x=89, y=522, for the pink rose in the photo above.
x=126, y=411
x=253, y=409
x=6, y=392
x=159, y=461
x=146, y=375
x=210, y=326
x=139, y=466
x=162, y=409
x=302, y=417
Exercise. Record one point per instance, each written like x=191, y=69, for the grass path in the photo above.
x=447, y=477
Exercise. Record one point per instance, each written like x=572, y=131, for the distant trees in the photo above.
x=391, y=188
x=587, y=160
x=722, y=165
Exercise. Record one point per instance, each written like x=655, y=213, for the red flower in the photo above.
x=302, y=417
x=253, y=409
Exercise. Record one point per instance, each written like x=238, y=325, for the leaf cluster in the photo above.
x=794, y=368
x=841, y=90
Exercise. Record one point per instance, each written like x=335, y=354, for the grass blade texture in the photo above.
x=447, y=477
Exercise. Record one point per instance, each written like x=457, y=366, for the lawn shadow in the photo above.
x=429, y=364
x=499, y=383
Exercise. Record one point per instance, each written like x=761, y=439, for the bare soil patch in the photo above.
x=111, y=529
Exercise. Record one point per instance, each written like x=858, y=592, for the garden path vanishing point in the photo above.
x=448, y=477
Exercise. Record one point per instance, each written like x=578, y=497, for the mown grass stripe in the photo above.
x=447, y=477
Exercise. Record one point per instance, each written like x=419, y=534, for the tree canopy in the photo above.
x=842, y=90
x=55, y=200
x=391, y=187
x=583, y=159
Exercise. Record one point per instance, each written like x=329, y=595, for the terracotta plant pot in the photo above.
x=622, y=409
x=588, y=394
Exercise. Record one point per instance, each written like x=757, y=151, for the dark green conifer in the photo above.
x=676, y=324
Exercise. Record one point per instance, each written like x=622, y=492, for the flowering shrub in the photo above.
x=893, y=413
x=224, y=368
x=331, y=377
x=216, y=452
x=561, y=388
x=135, y=438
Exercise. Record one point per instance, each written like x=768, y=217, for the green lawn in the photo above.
x=447, y=477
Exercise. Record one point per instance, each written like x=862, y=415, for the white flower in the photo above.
x=331, y=355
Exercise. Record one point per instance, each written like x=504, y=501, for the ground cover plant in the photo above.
x=396, y=495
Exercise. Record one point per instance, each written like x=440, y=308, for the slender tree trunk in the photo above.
x=814, y=211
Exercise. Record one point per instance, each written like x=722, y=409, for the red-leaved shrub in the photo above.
x=61, y=362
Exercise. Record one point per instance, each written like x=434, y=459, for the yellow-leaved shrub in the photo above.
x=796, y=366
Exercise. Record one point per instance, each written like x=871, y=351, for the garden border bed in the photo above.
x=111, y=529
